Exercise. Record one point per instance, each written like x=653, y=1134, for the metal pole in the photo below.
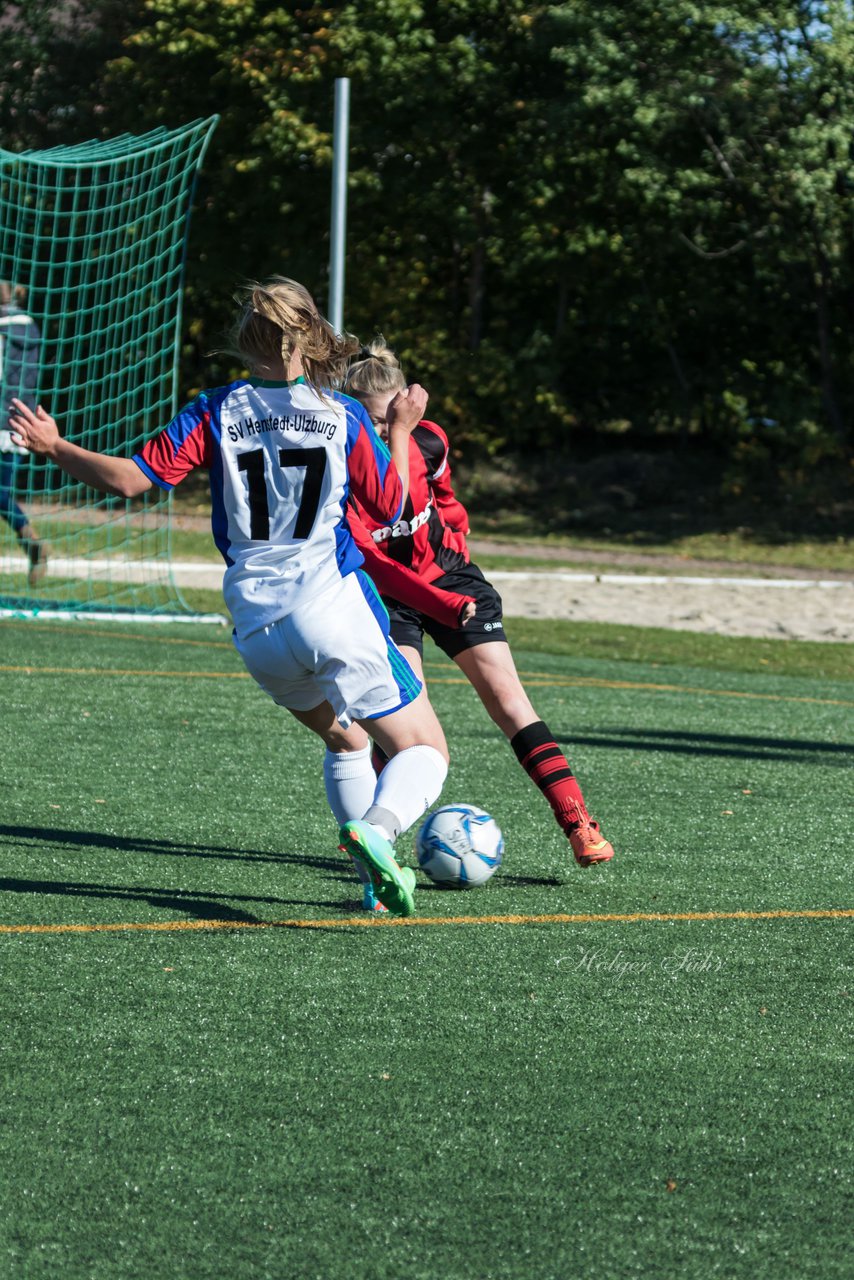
x=338, y=231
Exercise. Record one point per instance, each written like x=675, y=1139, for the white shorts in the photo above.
x=334, y=648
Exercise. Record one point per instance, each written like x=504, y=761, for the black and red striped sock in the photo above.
x=547, y=766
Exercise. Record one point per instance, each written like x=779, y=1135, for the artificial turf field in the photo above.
x=212, y=1068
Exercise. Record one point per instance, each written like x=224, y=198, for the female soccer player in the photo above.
x=430, y=539
x=282, y=452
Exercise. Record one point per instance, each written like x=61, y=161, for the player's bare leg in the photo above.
x=492, y=672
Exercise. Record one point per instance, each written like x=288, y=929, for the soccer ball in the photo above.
x=459, y=846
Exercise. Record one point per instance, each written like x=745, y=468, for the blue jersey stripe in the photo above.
x=358, y=420
x=207, y=402
x=373, y=598
x=146, y=471
x=407, y=682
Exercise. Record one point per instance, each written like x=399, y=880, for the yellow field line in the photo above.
x=131, y=635
x=534, y=680
x=120, y=671
x=384, y=922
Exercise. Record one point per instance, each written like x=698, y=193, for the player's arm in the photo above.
x=452, y=511
x=38, y=432
x=403, y=415
x=379, y=477
x=403, y=584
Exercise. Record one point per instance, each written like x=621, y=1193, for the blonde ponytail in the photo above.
x=279, y=317
x=375, y=370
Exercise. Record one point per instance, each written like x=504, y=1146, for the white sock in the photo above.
x=407, y=786
x=350, y=783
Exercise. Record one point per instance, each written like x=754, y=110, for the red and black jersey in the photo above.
x=396, y=582
x=430, y=536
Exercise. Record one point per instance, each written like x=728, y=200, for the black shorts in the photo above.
x=408, y=625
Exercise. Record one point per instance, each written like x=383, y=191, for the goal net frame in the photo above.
x=93, y=245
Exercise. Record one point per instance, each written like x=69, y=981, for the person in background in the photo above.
x=20, y=358
x=430, y=540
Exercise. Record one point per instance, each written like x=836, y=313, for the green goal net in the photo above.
x=92, y=245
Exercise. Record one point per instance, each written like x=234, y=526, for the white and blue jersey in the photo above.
x=283, y=460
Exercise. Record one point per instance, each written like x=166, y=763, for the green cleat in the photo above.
x=392, y=883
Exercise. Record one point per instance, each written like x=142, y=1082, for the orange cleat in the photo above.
x=588, y=843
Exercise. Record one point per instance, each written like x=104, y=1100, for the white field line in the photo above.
x=113, y=615
x=643, y=579
x=205, y=572
x=117, y=569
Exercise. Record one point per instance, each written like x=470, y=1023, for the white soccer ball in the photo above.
x=459, y=846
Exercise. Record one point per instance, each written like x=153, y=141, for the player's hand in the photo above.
x=467, y=612
x=407, y=408
x=37, y=431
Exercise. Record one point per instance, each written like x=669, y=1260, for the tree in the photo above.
x=567, y=217
x=54, y=53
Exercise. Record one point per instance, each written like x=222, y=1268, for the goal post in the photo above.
x=93, y=239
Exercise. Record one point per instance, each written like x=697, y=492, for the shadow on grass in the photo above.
x=199, y=905
x=517, y=882
x=733, y=746
x=182, y=849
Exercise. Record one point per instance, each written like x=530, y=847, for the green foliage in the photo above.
x=566, y=217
